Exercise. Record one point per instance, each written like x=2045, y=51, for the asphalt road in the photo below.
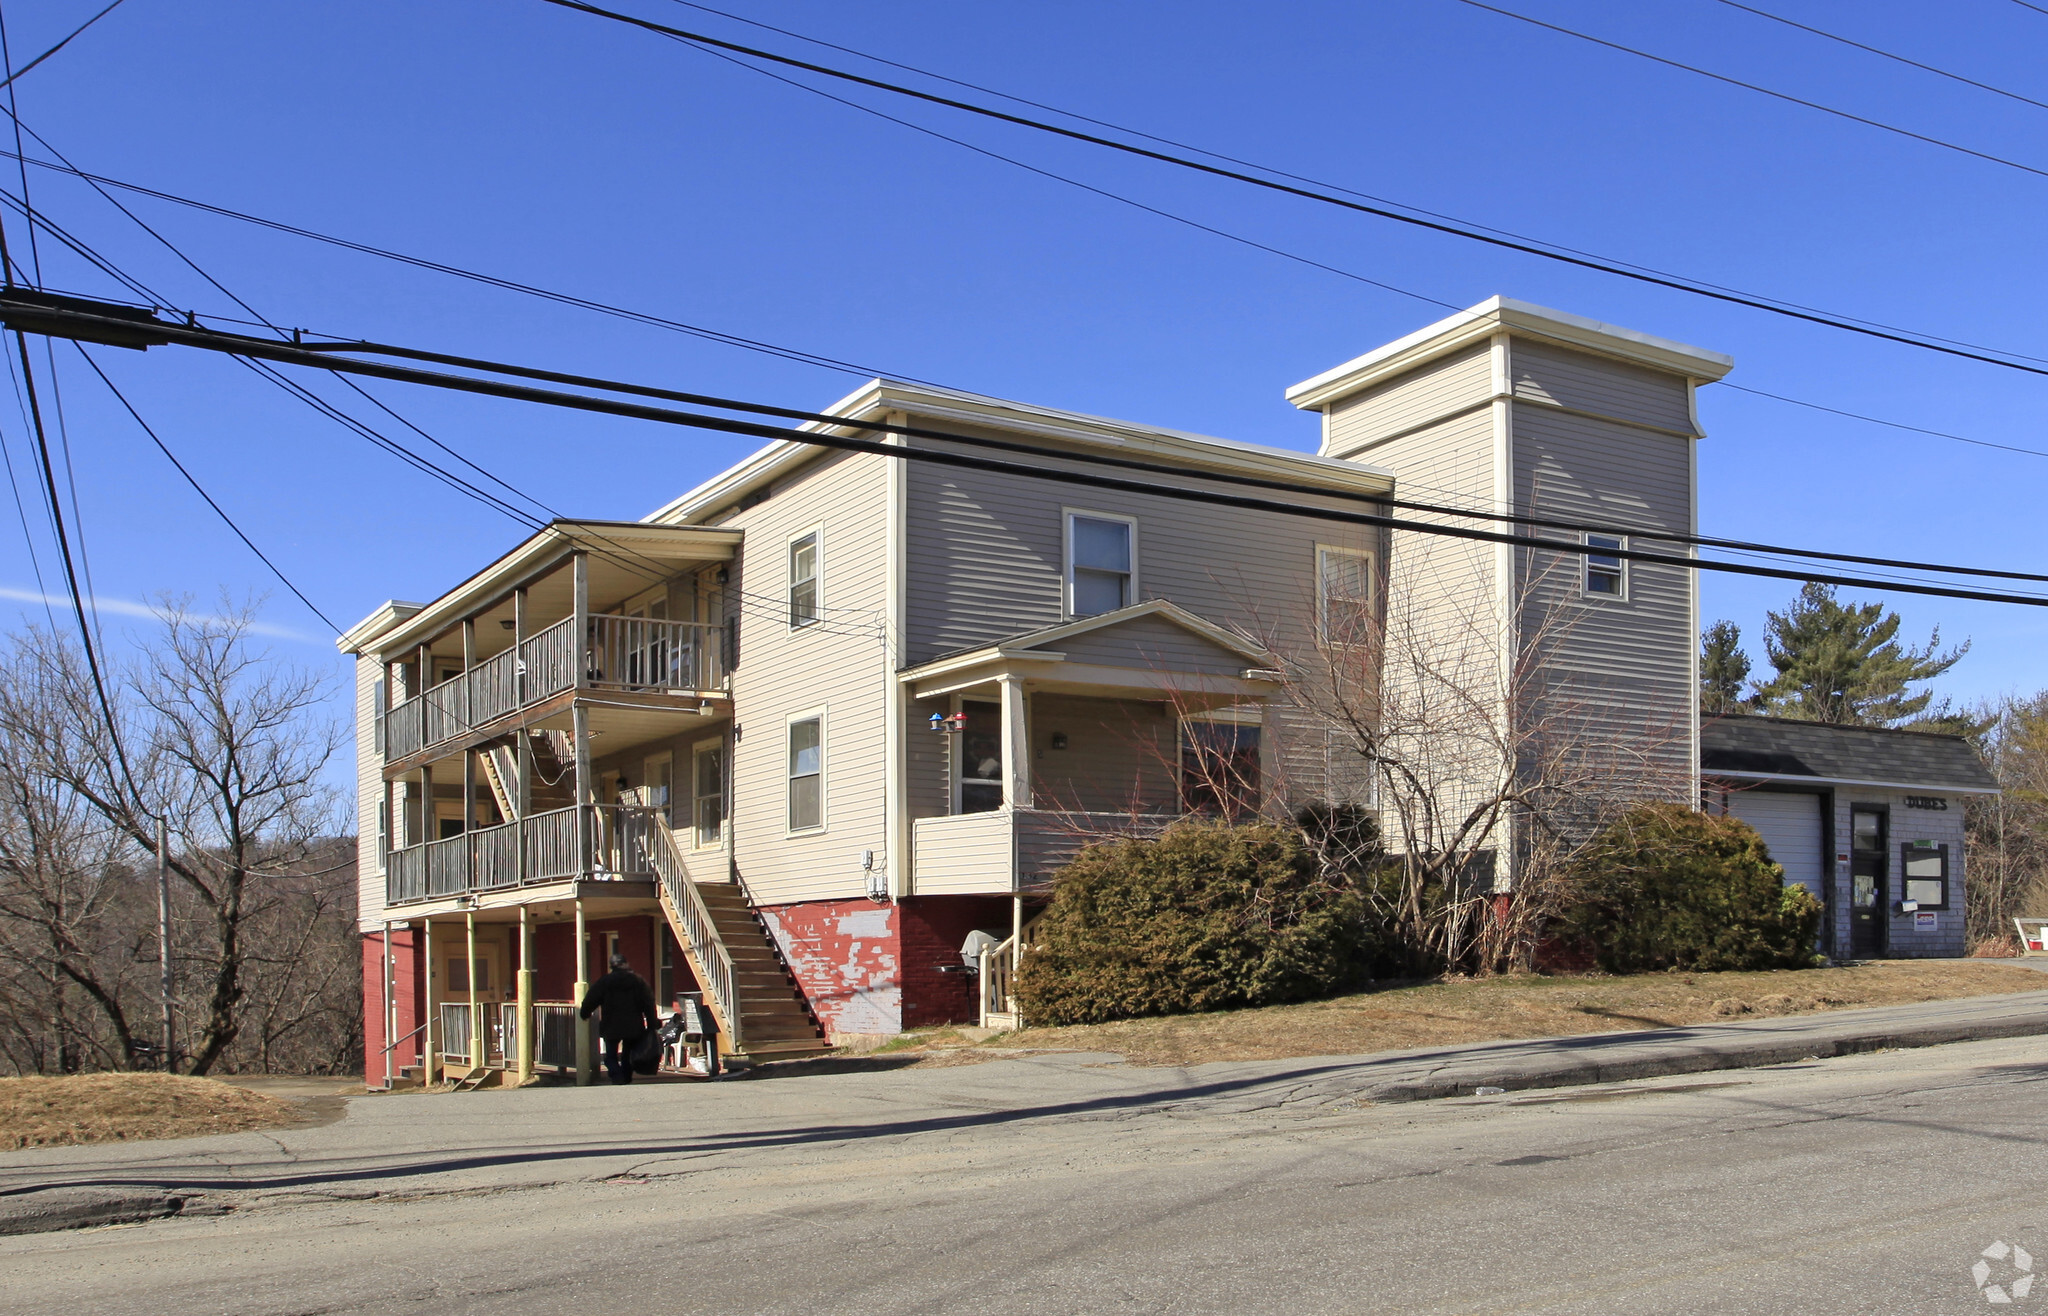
x=1863, y=1184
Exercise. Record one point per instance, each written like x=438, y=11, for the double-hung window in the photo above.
x=1606, y=572
x=708, y=797
x=1344, y=594
x=807, y=773
x=1100, y=555
x=803, y=581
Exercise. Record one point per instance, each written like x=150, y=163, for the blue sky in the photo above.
x=525, y=140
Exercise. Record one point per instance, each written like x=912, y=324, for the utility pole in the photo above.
x=163, y=934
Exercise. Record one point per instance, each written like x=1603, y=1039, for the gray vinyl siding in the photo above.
x=1582, y=381
x=839, y=668
x=1122, y=755
x=985, y=562
x=369, y=798
x=1622, y=666
x=1439, y=388
x=1151, y=644
x=1944, y=828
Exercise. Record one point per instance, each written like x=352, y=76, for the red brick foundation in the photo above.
x=936, y=989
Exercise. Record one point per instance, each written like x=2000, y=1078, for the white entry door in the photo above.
x=1790, y=826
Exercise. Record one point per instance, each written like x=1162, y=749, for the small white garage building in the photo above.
x=1869, y=820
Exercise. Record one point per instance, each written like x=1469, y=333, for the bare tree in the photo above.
x=1492, y=760
x=2007, y=835
x=225, y=744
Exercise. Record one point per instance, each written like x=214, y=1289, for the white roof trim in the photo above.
x=878, y=397
x=1026, y=646
x=1795, y=778
x=1475, y=323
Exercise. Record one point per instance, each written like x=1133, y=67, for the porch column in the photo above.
x=476, y=1009
x=430, y=826
x=519, y=639
x=526, y=984
x=1269, y=804
x=582, y=989
x=1016, y=744
x=586, y=789
x=430, y=1056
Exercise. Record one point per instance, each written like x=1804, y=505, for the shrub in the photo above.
x=1667, y=887
x=1208, y=916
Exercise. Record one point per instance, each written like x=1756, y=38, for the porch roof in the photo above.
x=1155, y=646
x=625, y=557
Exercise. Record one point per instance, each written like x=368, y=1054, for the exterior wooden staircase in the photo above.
x=748, y=989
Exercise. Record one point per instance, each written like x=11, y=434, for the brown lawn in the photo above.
x=1485, y=1010
x=55, y=1112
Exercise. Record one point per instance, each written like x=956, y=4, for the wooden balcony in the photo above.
x=582, y=843
x=676, y=662
x=1002, y=851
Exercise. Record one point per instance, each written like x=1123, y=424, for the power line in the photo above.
x=63, y=322
x=1122, y=463
x=1698, y=288
x=788, y=353
x=1751, y=86
x=200, y=489
x=1886, y=54
x=1893, y=424
x=61, y=44
x=1322, y=183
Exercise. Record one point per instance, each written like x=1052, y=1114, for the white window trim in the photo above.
x=824, y=745
x=816, y=533
x=697, y=750
x=1067, y=515
x=1585, y=565
x=1372, y=581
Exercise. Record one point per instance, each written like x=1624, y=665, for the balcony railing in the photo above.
x=621, y=653
x=542, y=847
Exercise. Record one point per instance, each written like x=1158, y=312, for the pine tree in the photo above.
x=1723, y=669
x=1843, y=663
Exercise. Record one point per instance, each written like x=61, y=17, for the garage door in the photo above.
x=1790, y=826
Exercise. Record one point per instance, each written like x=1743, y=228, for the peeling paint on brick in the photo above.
x=846, y=958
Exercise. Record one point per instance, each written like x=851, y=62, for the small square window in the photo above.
x=1606, y=573
x=1925, y=867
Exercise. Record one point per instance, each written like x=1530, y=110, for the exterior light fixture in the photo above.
x=1059, y=740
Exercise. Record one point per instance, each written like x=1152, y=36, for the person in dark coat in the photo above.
x=624, y=1005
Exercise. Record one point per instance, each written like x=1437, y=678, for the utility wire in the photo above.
x=1697, y=288
x=200, y=489
x=1322, y=183
x=787, y=353
x=61, y=44
x=1886, y=54
x=1751, y=86
x=1123, y=463
x=87, y=325
x=1874, y=420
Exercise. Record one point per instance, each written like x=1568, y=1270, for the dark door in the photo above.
x=1868, y=898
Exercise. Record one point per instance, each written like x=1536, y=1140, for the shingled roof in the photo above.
x=1775, y=749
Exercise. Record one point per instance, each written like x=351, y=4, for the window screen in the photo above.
x=1605, y=574
x=806, y=774
x=1100, y=579
x=803, y=582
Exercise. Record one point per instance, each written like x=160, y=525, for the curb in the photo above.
x=47, y=1210
x=1514, y=1076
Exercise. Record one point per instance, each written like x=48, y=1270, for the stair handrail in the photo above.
x=687, y=903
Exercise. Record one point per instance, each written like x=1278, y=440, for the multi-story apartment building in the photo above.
x=792, y=737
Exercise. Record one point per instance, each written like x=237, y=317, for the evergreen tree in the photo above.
x=1723, y=669
x=1843, y=663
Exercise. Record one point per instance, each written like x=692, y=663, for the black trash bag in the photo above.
x=646, y=1053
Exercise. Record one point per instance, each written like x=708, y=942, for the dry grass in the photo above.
x=57, y=1112
x=1485, y=1010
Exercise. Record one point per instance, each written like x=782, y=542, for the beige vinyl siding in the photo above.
x=1151, y=644
x=966, y=855
x=929, y=760
x=1585, y=382
x=839, y=669
x=1439, y=388
x=1623, y=665
x=369, y=798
